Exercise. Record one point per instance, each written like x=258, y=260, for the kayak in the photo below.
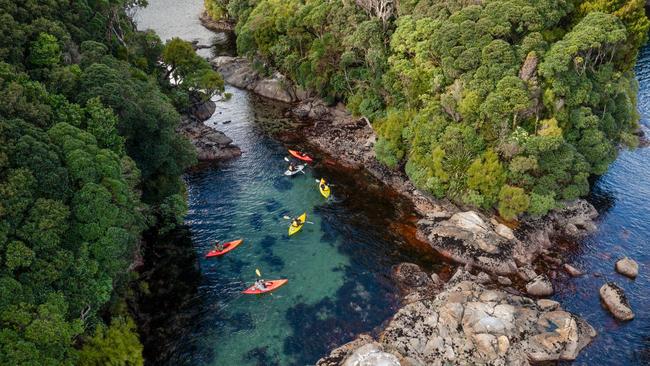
x=301, y=156
x=324, y=191
x=294, y=229
x=226, y=248
x=270, y=286
x=299, y=169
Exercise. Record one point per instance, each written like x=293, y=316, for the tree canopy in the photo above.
x=89, y=159
x=494, y=103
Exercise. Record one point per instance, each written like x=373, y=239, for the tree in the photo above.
x=117, y=345
x=512, y=202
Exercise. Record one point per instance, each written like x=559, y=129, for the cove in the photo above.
x=338, y=266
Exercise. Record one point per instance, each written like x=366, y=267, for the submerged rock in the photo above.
x=467, y=324
x=627, y=267
x=615, y=301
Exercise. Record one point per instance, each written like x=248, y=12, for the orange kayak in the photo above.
x=270, y=286
x=301, y=156
x=226, y=248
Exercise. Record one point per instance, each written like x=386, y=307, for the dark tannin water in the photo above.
x=338, y=267
x=622, y=197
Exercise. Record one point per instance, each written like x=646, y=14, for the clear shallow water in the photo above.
x=338, y=267
x=622, y=197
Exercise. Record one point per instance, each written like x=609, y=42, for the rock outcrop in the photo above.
x=215, y=25
x=627, y=267
x=615, y=301
x=469, y=324
x=210, y=144
x=237, y=71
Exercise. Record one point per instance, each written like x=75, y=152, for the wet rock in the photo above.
x=573, y=271
x=467, y=324
x=615, y=301
x=546, y=304
x=627, y=267
x=411, y=275
x=539, y=286
x=210, y=144
x=414, y=283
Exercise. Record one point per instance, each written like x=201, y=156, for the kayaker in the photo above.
x=218, y=246
x=296, y=222
x=323, y=184
x=292, y=167
x=260, y=285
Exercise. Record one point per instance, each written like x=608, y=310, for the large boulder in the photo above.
x=469, y=239
x=210, y=144
x=237, y=71
x=468, y=324
x=627, y=267
x=615, y=301
x=203, y=111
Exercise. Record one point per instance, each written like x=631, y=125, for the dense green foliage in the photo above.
x=89, y=158
x=510, y=104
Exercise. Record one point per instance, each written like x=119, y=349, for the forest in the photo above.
x=89, y=160
x=500, y=104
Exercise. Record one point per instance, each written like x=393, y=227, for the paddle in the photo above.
x=259, y=274
x=328, y=184
x=289, y=218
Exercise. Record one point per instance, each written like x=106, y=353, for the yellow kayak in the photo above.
x=294, y=229
x=324, y=191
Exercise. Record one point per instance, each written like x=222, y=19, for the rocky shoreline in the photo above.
x=210, y=144
x=468, y=323
x=432, y=328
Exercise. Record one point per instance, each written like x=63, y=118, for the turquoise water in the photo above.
x=338, y=265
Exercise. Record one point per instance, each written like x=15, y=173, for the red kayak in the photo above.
x=226, y=248
x=270, y=286
x=301, y=156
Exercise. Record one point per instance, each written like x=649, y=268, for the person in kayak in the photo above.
x=218, y=246
x=323, y=184
x=296, y=222
x=292, y=167
x=260, y=285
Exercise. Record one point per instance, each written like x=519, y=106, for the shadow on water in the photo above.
x=167, y=292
